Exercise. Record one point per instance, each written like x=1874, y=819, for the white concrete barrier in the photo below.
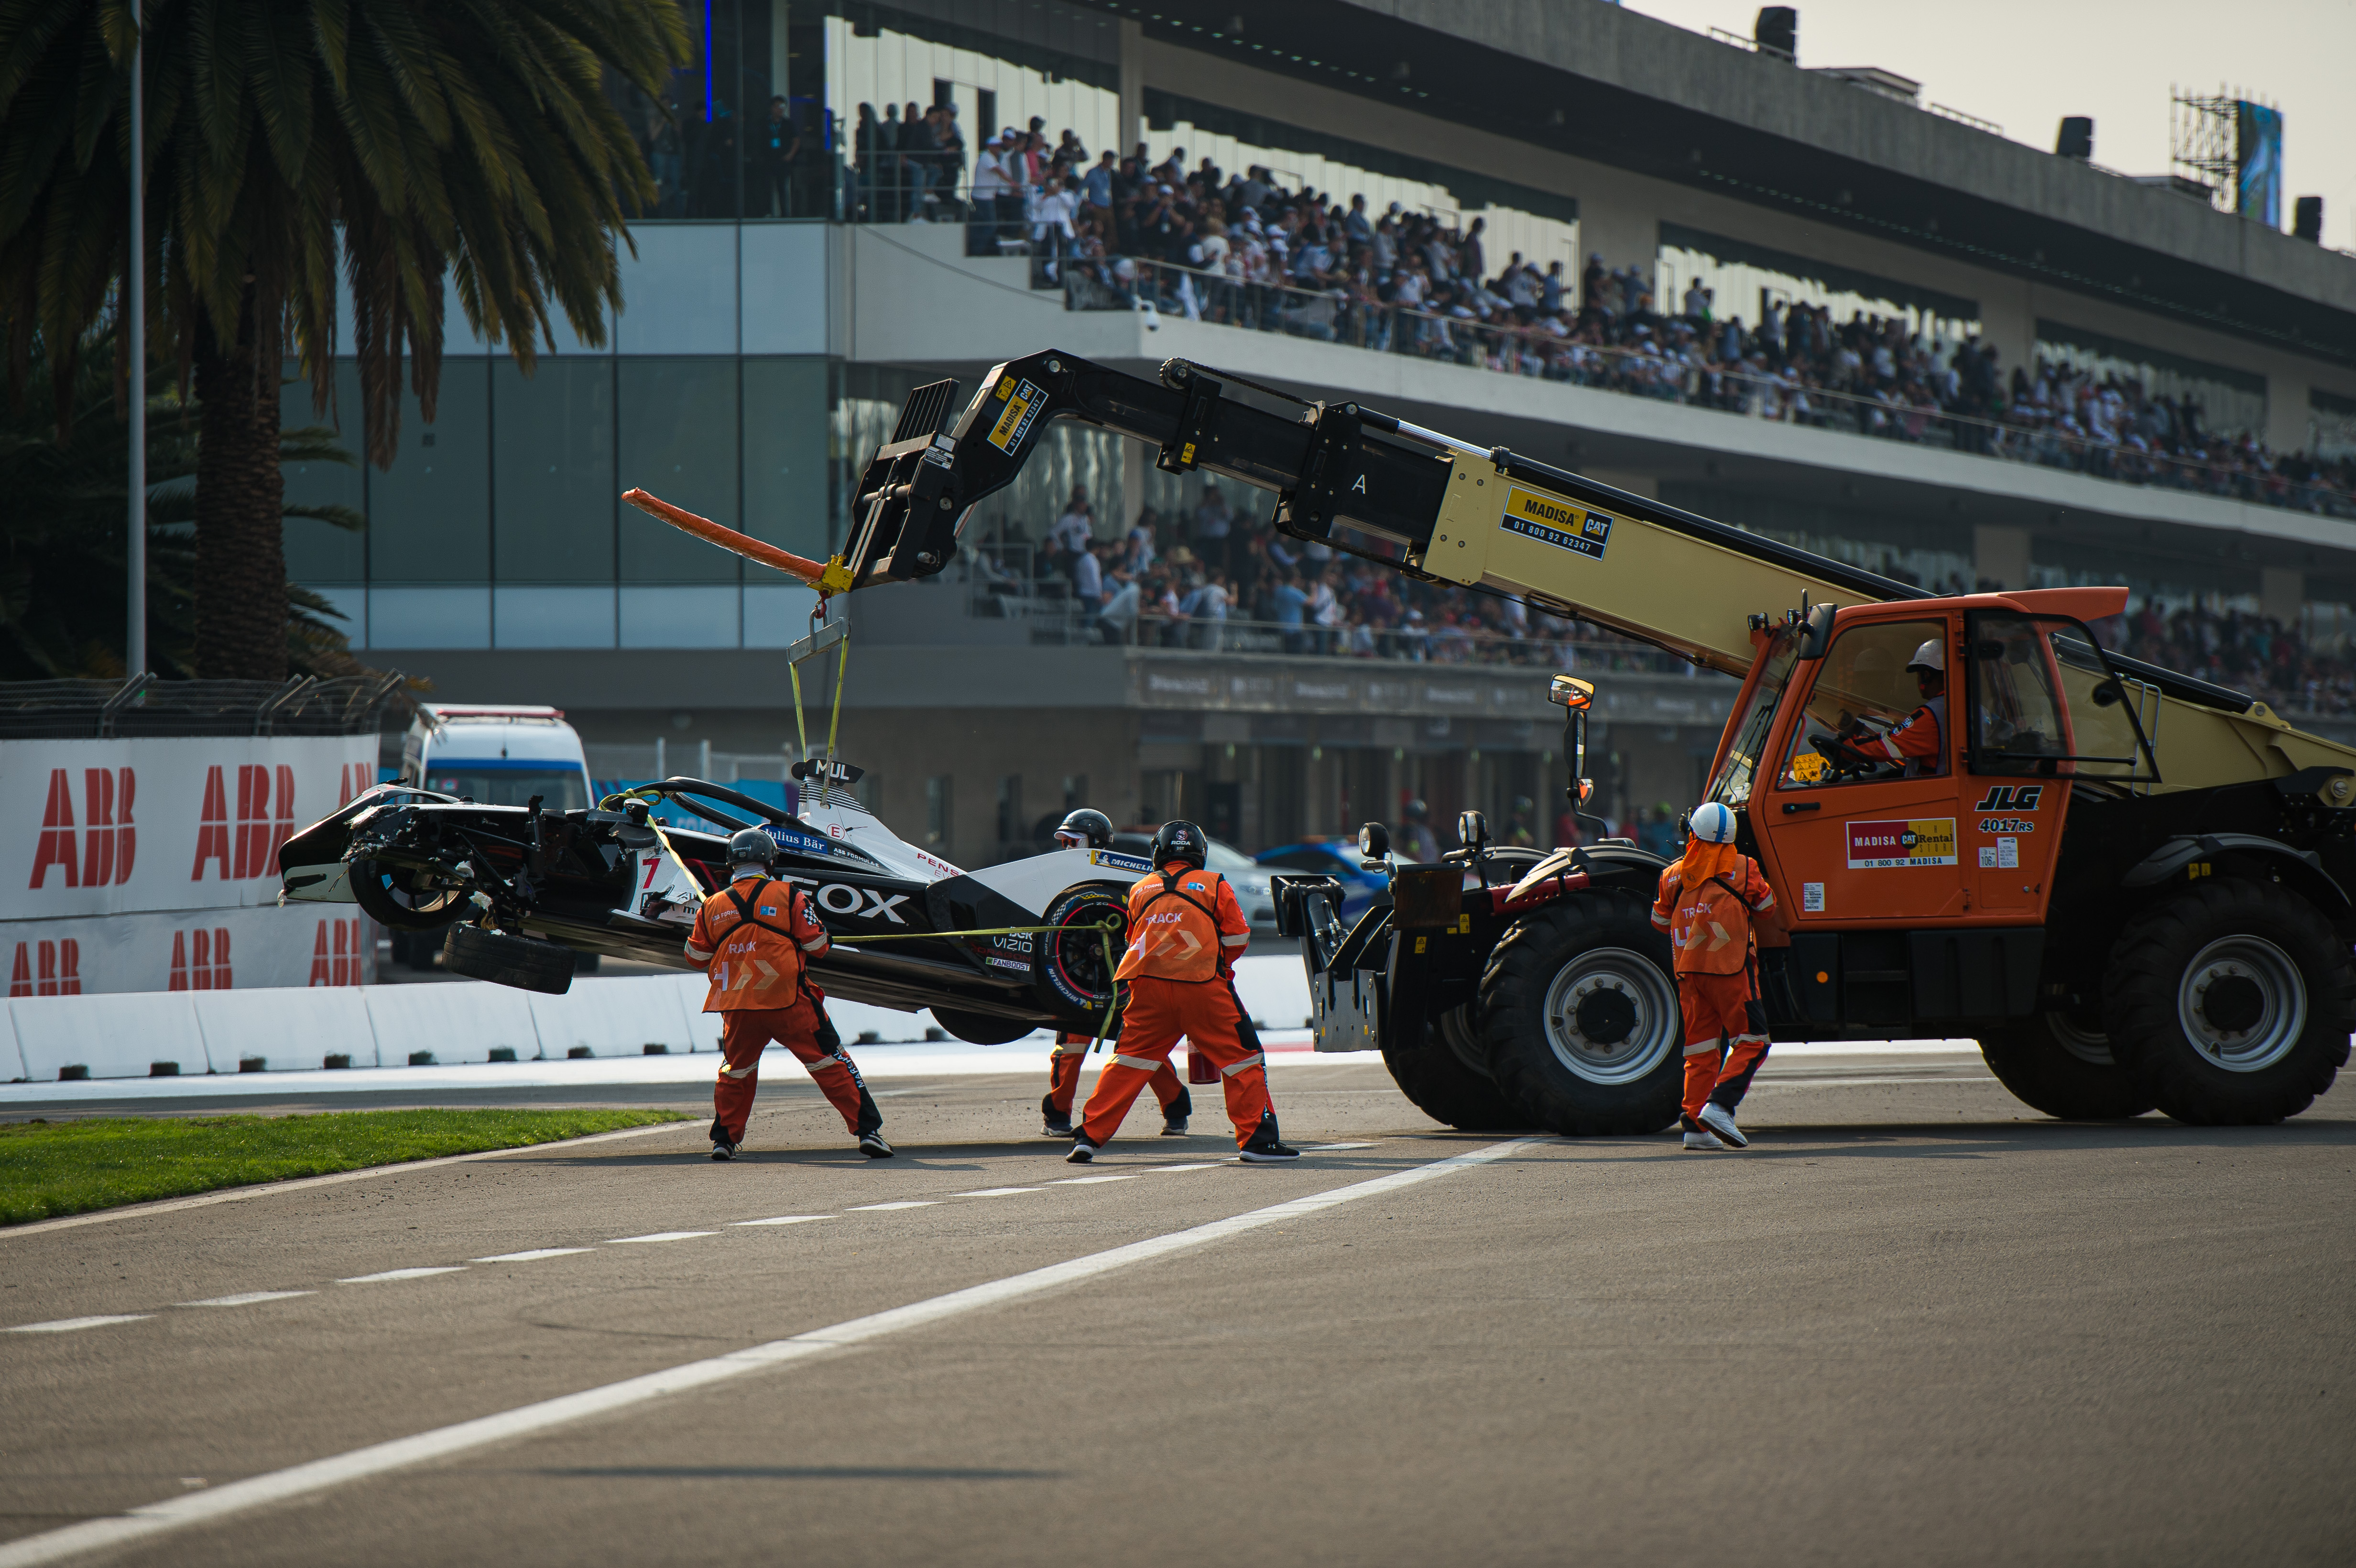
x=618, y=1017
x=117, y=1036
x=461, y=1022
x=289, y=1028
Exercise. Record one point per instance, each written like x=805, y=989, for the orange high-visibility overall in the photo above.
x=1177, y=978
x=751, y=938
x=1706, y=904
x=1064, y=1076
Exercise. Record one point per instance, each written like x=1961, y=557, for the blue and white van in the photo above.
x=497, y=755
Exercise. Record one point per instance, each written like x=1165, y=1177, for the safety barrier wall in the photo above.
x=293, y=1029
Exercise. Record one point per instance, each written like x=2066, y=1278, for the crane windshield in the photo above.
x=1732, y=787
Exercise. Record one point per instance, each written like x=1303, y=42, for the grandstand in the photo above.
x=1796, y=301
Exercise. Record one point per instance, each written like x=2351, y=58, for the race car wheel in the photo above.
x=1074, y=956
x=1436, y=1080
x=1580, y=1016
x=401, y=899
x=2058, y=1066
x=2231, y=1003
x=524, y=962
x=980, y=1028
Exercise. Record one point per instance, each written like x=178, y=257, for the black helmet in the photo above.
x=1416, y=811
x=751, y=847
x=1179, y=840
x=1085, y=829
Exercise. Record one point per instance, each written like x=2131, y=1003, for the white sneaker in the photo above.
x=1718, y=1119
x=1699, y=1136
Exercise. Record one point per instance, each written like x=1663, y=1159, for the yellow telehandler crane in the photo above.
x=2132, y=886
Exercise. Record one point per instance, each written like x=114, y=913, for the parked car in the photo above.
x=1250, y=881
x=1334, y=858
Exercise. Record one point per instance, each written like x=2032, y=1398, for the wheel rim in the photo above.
x=2242, y=1003
x=2090, y=1046
x=1612, y=1015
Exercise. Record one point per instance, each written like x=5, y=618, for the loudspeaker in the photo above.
x=2077, y=137
x=1777, y=30
x=2306, y=219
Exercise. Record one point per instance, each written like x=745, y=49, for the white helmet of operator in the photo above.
x=1932, y=654
x=1712, y=823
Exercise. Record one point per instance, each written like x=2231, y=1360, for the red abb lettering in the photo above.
x=179, y=981
x=20, y=978
x=220, y=958
x=57, y=844
x=322, y=965
x=281, y=822
x=59, y=971
x=212, y=829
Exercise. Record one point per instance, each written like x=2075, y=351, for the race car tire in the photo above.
x=385, y=897
x=980, y=1028
x=1579, y=1013
x=1437, y=1083
x=524, y=962
x=2054, y=1065
x=1072, y=957
x=2230, y=1002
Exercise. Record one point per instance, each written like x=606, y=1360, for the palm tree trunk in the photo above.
x=241, y=578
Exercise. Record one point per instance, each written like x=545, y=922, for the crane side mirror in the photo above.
x=1569, y=691
x=1817, y=631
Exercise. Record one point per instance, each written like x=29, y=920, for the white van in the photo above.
x=497, y=756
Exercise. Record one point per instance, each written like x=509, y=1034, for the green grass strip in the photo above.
x=48, y=1168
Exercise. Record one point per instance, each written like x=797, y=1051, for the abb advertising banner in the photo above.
x=189, y=950
x=163, y=822
x=151, y=863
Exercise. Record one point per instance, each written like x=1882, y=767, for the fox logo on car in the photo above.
x=856, y=904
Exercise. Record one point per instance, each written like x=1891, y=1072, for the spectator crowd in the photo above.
x=1236, y=246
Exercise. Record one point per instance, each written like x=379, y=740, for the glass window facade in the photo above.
x=430, y=514
x=2331, y=425
x=318, y=553
x=553, y=484
x=678, y=442
x=2232, y=402
x=1745, y=279
x=786, y=466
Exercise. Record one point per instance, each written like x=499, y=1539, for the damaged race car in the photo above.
x=520, y=890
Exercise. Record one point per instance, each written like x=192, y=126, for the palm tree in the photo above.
x=61, y=564
x=409, y=142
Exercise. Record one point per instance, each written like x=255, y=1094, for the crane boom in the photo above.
x=1447, y=510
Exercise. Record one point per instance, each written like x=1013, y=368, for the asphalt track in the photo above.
x=1915, y=1322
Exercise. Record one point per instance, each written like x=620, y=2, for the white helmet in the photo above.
x=1932, y=654
x=1712, y=823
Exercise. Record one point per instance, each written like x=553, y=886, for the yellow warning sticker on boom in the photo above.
x=1550, y=519
x=1014, y=419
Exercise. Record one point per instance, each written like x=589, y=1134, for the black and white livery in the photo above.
x=520, y=889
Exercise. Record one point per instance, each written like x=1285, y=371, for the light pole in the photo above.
x=134, y=295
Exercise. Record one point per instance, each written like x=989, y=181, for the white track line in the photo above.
x=258, y=1491
x=994, y=1193
x=659, y=1236
x=392, y=1274
x=886, y=1208
x=249, y=1299
x=784, y=1220
x=68, y=1324
x=263, y=1190
x=1161, y=1169
x=534, y=1255
x=1085, y=1180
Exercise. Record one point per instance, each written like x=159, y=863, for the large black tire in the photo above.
x=2231, y=1003
x=1578, y=1012
x=1438, y=1083
x=980, y=1028
x=2057, y=1066
x=389, y=898
x=524, y=962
